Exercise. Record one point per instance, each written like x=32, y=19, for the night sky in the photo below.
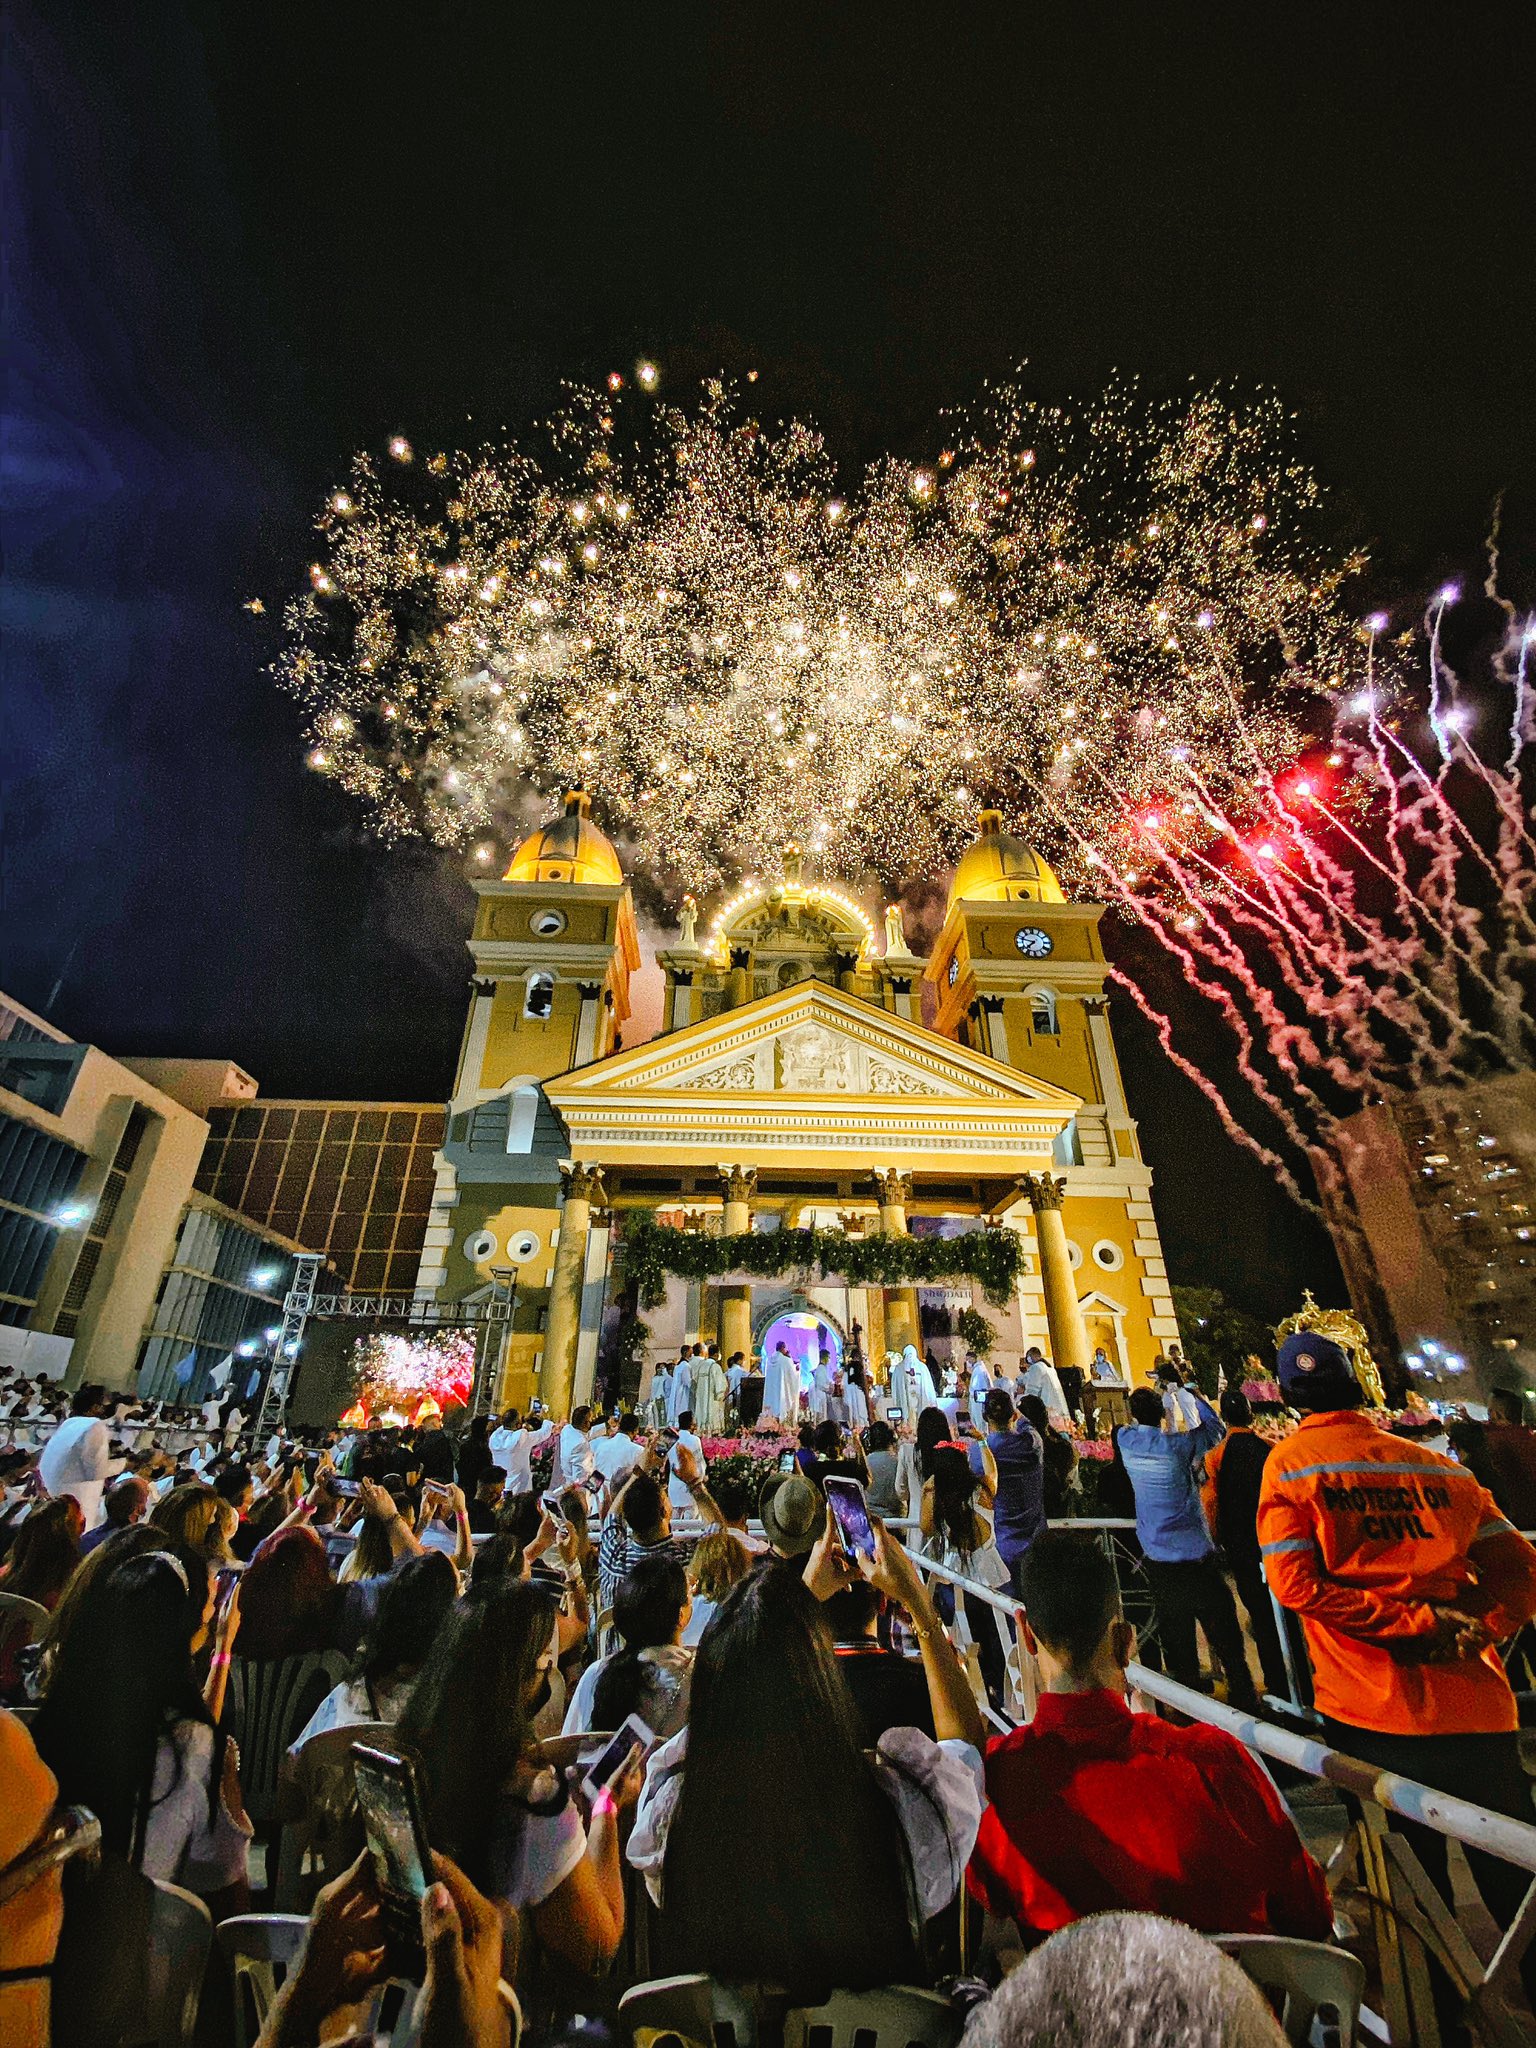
x=240, y=241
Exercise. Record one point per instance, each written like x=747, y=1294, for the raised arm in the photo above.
x=686, y=1466
x=378, y=1503
x=956, y=1716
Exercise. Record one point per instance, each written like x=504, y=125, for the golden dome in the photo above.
x=997, y=868
x=569, y=850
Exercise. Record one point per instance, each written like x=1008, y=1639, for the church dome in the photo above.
x=997, y=868
x=571, y=849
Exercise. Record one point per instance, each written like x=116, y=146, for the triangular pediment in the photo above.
x=814, y=1043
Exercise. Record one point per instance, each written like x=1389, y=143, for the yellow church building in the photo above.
x=794, y=1082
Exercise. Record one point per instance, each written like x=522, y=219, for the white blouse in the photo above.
x=938, y=1790
x=350, y=1704
x=181, y=1844
x=538, y=1841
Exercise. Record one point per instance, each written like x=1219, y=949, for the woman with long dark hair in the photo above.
x=1060, y=1457
x=124, y=1727
x=956, y=1534
x=510, y=1822
x=413, y=1607
x=914, y=1463
x=648, y=1674
x=860, y=1852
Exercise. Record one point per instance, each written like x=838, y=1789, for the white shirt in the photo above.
x=77, y=1459
x=615, y=1455
x=516, y=1458
x=501, y=1443
x=1180, y=1409
x=574, y=1458
x=677, y=1493
x=1104, y=1372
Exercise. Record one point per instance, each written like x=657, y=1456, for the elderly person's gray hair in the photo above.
x=1125, y=1980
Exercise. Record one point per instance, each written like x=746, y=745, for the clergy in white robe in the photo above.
x=820, y=1389
x=708, y=1396
x=681, y=1397
x=981, y=1386
x=1039, y=1377
x=917, y=1389
x=781, y=1396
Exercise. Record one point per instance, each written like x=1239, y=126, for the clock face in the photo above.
x=1033, y=943
x=954, y=970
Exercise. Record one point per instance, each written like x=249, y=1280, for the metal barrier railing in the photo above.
x=1410, y=1921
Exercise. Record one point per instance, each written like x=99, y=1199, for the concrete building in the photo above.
x=1435, y=1226
x=96, y=1198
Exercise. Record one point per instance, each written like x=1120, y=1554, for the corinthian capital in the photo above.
x=1043, y=1190
x=738, y=1183
x=893, y=1188
x=583, y=1183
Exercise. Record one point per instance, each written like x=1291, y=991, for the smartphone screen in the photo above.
x=390, y=1803
x=552, y=1502
x=226, y=1584
x=850, y=1511
x=347, y=1488
x=786, y=1461
x=894, y=1415
x=609, y=1767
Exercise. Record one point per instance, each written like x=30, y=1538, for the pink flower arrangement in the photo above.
x=764, y=1446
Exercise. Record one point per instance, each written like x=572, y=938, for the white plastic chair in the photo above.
x=694, y=2012
x=261, y=1948
x=131, y=1960
x=316, y=1783
x=1302, y=1979
x=22, y=1621
x=257, y=1947
x=896, y=2016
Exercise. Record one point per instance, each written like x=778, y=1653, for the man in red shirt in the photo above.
x=1096, y=1809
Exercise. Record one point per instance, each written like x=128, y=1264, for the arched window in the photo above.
x=1042, y=1012
x=540, y=999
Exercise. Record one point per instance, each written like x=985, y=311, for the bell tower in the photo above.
x=554, y=946
x=1018, y=972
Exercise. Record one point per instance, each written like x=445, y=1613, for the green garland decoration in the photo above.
x=994, y=1259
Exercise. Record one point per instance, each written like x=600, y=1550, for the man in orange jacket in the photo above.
x=1405, y=1576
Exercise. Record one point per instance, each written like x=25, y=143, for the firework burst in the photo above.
x=1065, y=614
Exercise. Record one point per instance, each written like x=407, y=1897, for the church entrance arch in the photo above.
x=803, y=1327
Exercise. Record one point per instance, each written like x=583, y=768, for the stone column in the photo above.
x=562, y=1328
x=738, y=985
x=466, y=1086
x=586, y=1023
x=1069, y=1340
x=738, y=1184
x=997, y=1028
x=903, y=1322
x=682, y=999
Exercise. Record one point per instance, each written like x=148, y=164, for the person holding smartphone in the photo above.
x=511, y=1822
x=862, y=1851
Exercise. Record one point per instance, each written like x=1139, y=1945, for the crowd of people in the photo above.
x=821, y=1789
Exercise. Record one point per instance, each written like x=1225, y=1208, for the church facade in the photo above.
x=794, y=1082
